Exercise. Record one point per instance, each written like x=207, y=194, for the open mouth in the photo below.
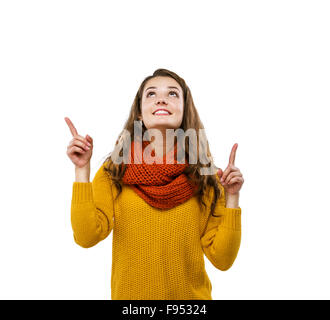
x=161, y=112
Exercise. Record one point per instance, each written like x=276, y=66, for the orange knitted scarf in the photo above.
x=162, y=185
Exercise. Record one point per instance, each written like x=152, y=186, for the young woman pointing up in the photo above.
x=165, y=215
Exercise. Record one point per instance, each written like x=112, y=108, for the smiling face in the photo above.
x=162, y=93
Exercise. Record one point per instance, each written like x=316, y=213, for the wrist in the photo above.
x=232, y=200
x=83, y=173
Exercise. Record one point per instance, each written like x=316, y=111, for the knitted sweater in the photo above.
x=157, y=254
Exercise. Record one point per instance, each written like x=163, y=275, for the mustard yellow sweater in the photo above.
x=156, y=254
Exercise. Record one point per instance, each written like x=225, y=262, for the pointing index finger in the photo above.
x=233, y=154
x=71, y=126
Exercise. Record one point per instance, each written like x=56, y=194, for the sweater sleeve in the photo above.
x=92, y=210
x=222, y=235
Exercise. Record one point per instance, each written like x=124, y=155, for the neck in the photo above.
x=160, y=145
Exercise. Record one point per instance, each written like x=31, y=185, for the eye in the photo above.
x=174, y=92
x=149, y=93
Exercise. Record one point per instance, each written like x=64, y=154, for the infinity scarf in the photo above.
x=162, y=185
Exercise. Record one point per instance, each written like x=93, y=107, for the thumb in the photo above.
x=89, y=139
x=220, y=173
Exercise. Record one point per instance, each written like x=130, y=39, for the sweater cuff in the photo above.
x=231, y=218
x=82, y=192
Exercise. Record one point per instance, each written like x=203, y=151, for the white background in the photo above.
x=259, y=73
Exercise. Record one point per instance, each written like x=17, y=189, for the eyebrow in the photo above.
x=156, y=88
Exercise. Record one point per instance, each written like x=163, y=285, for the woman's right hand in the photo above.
x=79, y=149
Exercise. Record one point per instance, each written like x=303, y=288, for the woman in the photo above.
x=164, y=216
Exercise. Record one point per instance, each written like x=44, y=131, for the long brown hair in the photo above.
x=190, y=120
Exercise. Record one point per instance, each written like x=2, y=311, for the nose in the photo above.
x=161, y=101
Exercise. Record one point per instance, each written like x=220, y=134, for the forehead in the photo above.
x=161, y=82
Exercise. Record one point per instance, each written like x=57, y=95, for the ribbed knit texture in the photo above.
x=157, y=254
x=162, y=185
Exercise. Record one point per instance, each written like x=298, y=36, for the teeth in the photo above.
x=161, y=112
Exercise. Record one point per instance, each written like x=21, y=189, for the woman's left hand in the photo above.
x=232, y=178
